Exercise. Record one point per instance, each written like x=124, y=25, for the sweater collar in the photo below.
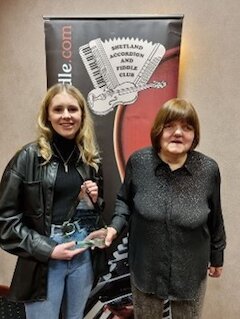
x=62, y=145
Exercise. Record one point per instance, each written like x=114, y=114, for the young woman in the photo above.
x=171, y=200
x=39, y=188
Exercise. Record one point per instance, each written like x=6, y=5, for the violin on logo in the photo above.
x=103, y=100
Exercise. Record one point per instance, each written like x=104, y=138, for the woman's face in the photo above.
x=177, y=138
x=65, y=115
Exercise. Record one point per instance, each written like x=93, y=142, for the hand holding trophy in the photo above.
x=94, y=239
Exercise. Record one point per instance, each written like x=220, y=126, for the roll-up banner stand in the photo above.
x=126, y=67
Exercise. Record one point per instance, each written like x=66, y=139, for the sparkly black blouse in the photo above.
x=175, y=222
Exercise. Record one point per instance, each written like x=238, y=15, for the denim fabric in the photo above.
x=69, y=283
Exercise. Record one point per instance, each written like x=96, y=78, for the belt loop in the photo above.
x=76, y=223
x=52, y=230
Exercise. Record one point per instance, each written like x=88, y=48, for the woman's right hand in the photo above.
x=111, y=235
x=66, y=251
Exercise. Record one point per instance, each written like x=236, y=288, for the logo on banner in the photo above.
x=119, y=69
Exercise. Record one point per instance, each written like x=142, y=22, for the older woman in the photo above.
x=170, y=198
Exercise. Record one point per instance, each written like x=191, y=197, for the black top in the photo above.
x=176, y=224
x=67, y=185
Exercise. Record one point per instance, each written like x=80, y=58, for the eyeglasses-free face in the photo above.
x=65, y=115
x=176, y=139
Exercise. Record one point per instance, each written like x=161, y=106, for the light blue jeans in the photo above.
x=69, y=284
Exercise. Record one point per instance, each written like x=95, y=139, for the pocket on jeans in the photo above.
x=58, y=238
x=79, y=235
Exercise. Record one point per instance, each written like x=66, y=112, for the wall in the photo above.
x=209, y=77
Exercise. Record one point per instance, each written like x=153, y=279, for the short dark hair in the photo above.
x=173, y=110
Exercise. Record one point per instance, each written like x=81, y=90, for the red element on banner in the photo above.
x=125, y=312
x=133, y=122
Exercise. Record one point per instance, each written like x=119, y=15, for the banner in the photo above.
x=126, y=67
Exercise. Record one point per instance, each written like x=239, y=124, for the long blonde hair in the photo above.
x=85, y=138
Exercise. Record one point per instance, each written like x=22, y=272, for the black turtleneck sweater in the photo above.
x=68, y=184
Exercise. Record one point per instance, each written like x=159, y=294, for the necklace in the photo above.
x=65, y=163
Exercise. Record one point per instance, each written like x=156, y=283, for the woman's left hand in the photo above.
x=91, y=188
x=215, y=272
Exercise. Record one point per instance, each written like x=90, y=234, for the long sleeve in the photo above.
x=123, y=202
x=216, y=225
x=16, y=234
